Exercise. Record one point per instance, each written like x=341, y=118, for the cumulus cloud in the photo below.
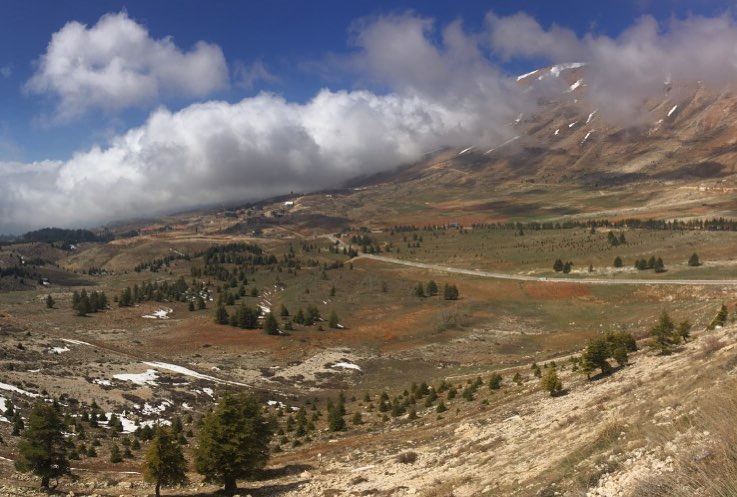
x=217, y=151
x=116, y=64
x=624, y=71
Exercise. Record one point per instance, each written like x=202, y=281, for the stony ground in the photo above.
x=602, y=438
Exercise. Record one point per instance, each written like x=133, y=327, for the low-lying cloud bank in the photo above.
x=445, y=92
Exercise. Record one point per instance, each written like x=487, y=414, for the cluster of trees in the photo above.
x=85, y=303
x=430, y=289
x=56, y=235
x=177, y=291
x=155, y=265
x=560, y=266
x=665, y=334
x=652, y=263
x=614, y=345
x=232, y=444
x=613, y=239
x=245, y=317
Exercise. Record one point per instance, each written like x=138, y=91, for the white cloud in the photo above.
x=116, y=64
x=6, y=72
x=623, y=71
x=261, y=146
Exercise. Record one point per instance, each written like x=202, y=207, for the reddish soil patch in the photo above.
x=549, y=290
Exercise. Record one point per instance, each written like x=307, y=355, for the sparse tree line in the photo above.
x=166, y=291
x=430, y=289
x=84, y=303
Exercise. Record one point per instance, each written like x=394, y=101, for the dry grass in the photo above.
x=708, y=469
x=709, y=345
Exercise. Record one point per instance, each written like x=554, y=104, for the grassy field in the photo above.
x=534, y=251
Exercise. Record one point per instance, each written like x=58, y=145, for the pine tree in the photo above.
x=694, y=260
x=618, y=262
x=551, y=383
x=221, y=315
x=558, y=265
x=233, y=442
x=164, y=464
x=419, y=291
x=50, y=302
x=115, y=456
x=333, y=320
x=43, y=448
x=450, y=292
x=432, y=288
x=663, y=333
x=271, y=326
x=720, y=319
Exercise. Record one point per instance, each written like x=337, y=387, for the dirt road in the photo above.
x=522, y=277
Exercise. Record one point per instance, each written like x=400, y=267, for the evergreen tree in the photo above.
x=115, y=456
x=164, y=464
x=271, y=326
x=419, y=291
x=659, y=265
x=233, y=442
x=551, y=383
x=221, y=315
x=596, y=354
x=618, y=262
x=333, y=320
x=663, y=333
x=684, y=330
x=450, y=292
x=432, y=288
x=50, y=302
x=694, y=260
x=43, y=448
x=720, y=319
x=558, y=265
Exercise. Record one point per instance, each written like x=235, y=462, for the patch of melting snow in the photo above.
x=465, y=150
x=34, y=370
x=591, y=116
x=572, y=124
x=159, y=314
x=209, y=391
x=58, y=350
x=147, y=378
x=556, y=132
x=519, y=118
x=575, y=85
x=557, y=69
x=102, y=382
x=13, y=388
x=499, y=146
x=188, y=372
x=527, y=75
x=151, y=409
x=587, y=136
x=672, y=110
x=346, y=365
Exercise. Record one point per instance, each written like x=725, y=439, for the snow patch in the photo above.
x=591, y=116
x=159, y=314
x=58, y=350
x=465, y=150
x=527, y=75
x=75, y=342
x=147, y=378
x=575, y=85
x=12, y=388
x=346, y=365
x=672, y=110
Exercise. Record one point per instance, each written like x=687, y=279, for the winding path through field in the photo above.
x=522, y=277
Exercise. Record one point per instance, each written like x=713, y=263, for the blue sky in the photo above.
x=287, y=36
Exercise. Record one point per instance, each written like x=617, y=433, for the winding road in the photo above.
x=522, y=277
